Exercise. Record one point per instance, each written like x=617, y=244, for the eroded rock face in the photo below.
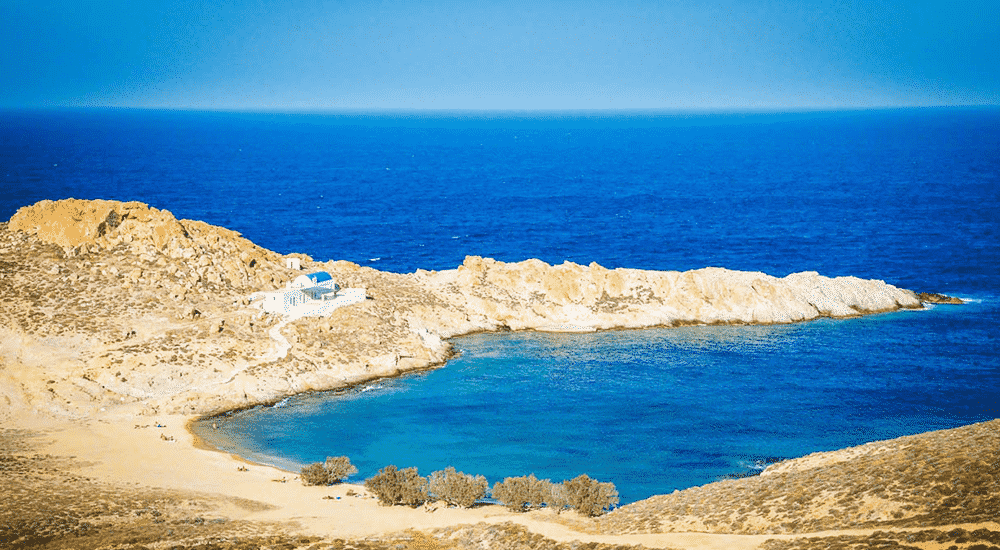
x=71, y=222
x=80, y=226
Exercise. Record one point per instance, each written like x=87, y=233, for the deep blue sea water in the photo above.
x=909, y=196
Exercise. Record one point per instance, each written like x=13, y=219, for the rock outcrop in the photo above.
x=79, y=226
x=935, y=298
x=108, y=303
x=571, y=297
x=70, y=223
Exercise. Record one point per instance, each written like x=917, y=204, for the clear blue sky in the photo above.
x=521, y=54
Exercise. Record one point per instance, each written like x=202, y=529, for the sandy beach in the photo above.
x=137, y=454
x=113, y=449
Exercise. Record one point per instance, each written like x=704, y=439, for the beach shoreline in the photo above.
x=110, y=451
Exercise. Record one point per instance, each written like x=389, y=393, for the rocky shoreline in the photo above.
x=141, y=309
x=116, y=314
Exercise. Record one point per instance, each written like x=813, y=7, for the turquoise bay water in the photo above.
x=651, y=410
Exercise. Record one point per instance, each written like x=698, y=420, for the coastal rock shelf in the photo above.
x=570, y=297
x=119, y=304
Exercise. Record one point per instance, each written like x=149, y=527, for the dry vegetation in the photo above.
x=952, y=539
x=48, y=506
x=508, y=535
x=480, y=536
x=938, y=478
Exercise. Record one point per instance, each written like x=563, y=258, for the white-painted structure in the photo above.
x=309, y=295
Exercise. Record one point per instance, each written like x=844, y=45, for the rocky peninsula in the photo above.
x=120, y=322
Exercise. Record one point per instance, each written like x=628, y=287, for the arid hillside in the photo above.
x=108, y=303
x=937, y=478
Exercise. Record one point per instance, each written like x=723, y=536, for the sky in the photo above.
x=519, y=54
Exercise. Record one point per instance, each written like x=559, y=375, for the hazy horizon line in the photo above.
x=506, y=110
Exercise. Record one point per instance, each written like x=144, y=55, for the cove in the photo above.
x=651, y=410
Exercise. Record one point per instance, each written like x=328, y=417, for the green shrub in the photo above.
x=395, y=486
x=457, y=488
x=334, y=470
x=522, y=493
x=589, y=496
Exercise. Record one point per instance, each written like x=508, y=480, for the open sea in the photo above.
x=910, y=196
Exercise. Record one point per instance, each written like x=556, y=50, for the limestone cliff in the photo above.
x=110, y=304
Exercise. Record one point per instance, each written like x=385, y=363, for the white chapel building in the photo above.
x=308, y=295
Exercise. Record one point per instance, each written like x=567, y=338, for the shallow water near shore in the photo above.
x=651, y=410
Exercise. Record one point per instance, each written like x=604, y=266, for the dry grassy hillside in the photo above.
x=938, y=478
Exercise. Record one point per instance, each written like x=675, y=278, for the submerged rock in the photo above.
x=934, y=298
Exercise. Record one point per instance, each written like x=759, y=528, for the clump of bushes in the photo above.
x=394, y=486
x=583, y=494
x=558, y=497
x=457, y=488
x=587, y=496
x=524, y=493
x=334, y=470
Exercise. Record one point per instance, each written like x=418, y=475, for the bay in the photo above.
x=909, y=196
x=652, y=410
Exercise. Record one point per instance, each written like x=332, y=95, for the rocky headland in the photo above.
x=109, y=303
x=117, y=312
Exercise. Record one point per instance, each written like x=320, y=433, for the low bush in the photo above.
x=456, y=488
x=394, y=486
x=558, y=499
x=339, y=468
x=589, y=496
x=522, y=493
x=334, y=470
x=313, y=474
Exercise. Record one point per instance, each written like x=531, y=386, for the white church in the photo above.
x=308, y=295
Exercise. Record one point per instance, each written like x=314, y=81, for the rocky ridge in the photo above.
x=110, y=303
